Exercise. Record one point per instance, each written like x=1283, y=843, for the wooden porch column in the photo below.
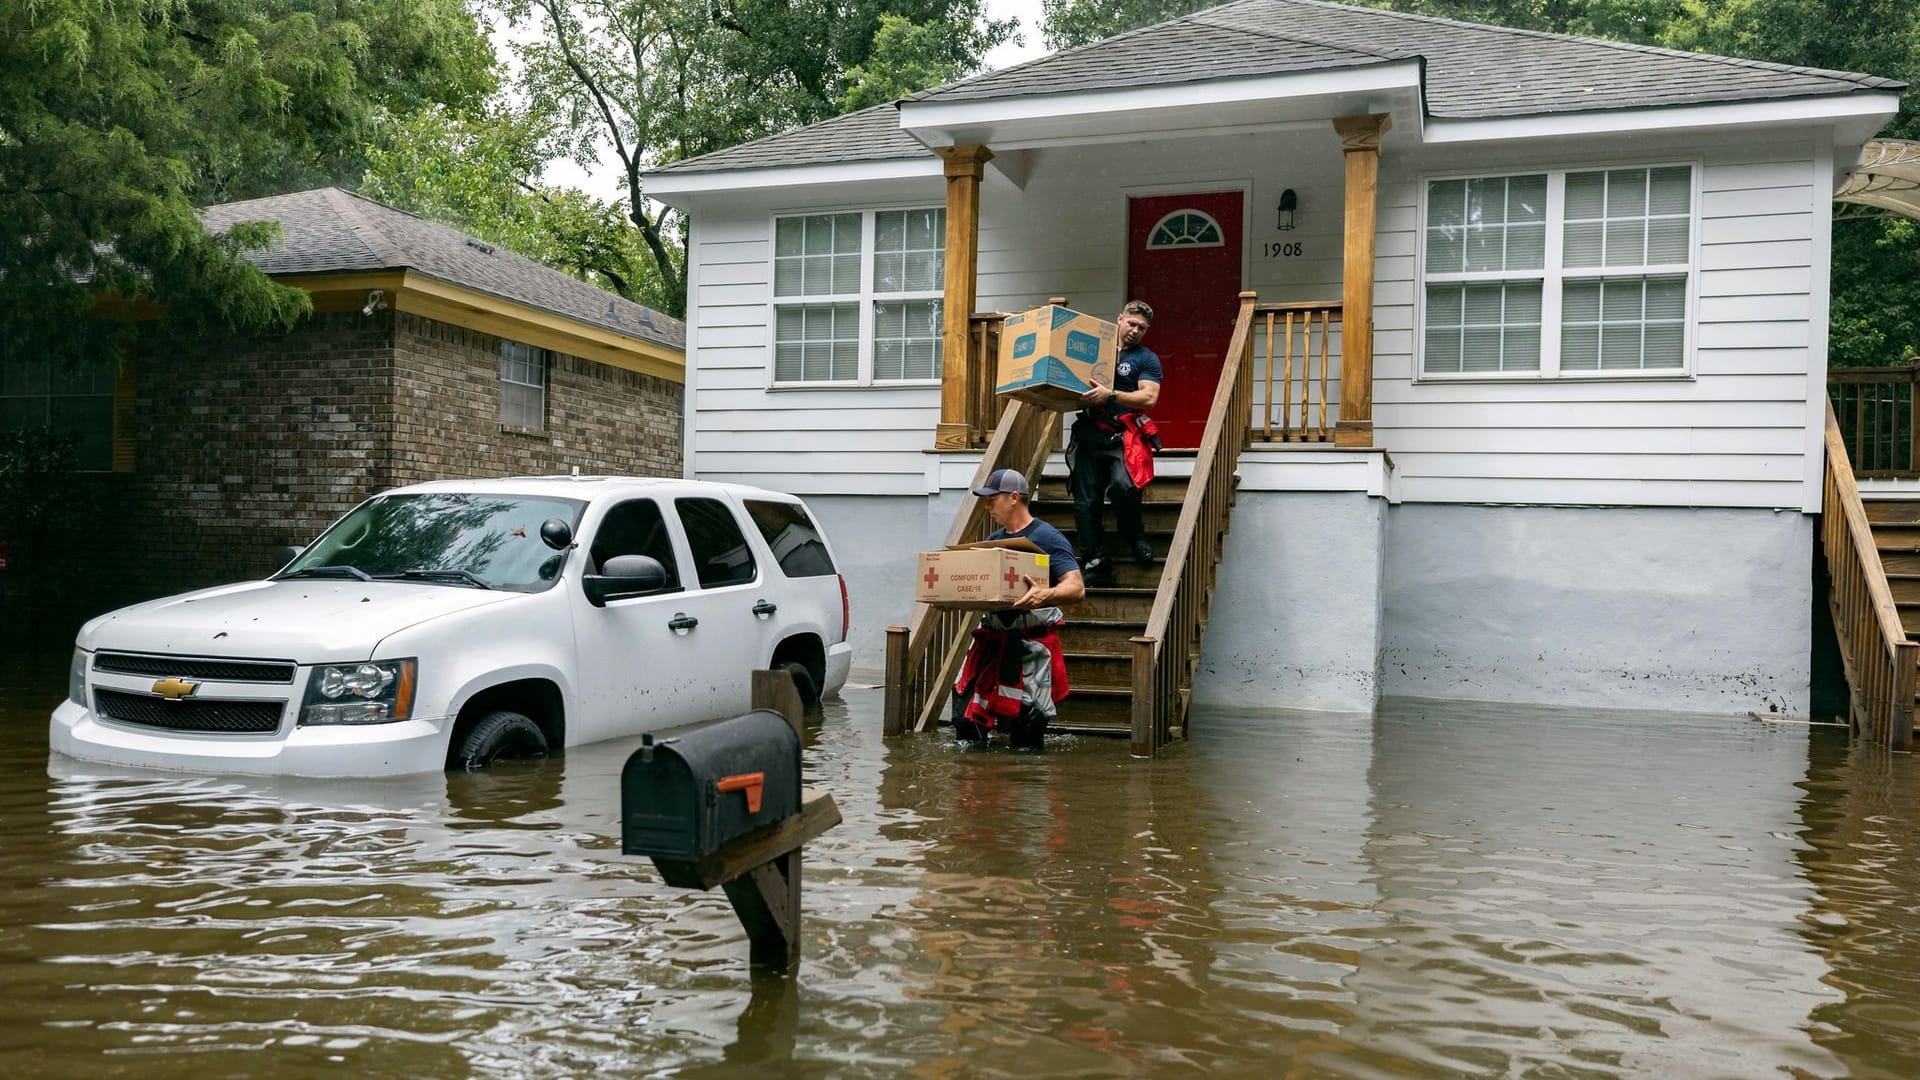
x=1361, y=136
x=965, y=166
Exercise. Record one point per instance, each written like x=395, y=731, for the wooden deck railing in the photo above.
x=1163, y=654
x=1880, y=660
x=923, y=658
x=983, y=353
x=1876, y=408
x=1299, y=359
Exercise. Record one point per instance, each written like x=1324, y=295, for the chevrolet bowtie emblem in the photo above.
x=175, y=689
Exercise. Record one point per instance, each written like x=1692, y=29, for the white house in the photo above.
x=1577, y=458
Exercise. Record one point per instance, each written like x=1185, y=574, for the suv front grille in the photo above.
x=190, y=714
x=160, y=667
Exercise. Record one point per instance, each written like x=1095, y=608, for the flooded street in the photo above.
x=1444, y=890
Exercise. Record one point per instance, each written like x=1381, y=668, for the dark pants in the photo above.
x=1099, y=472
x=1024, y=732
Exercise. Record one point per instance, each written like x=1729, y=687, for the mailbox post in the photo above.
x=722, y=805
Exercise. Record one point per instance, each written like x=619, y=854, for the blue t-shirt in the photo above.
x=1133, y=365
x=1060, y=560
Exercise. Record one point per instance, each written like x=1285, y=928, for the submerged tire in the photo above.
x=803, y=681
x=498, y=735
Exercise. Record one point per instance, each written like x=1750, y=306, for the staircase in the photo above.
x=1131, y=649
x=1098, y=637
x=1873, y=562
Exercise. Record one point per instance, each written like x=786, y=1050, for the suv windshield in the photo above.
x=458, y=539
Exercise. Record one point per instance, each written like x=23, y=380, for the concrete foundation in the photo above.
x=1625, y=608
x=1296, y=620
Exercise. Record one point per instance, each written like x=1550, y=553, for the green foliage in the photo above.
x=479, y=172
x=906, y=58
x=118, y=117
x=656, y=81
x=1069, y=24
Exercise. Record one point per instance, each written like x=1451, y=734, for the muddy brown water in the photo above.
x=1442, y=890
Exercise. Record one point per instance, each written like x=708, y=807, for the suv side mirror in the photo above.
x=284, y=556
x=625, y=576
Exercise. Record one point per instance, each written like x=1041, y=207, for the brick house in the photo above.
x=429, y=354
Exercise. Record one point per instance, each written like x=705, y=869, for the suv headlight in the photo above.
x=374, y=692
x=77, y=678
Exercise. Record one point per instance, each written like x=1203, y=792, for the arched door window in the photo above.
x=1185, y=228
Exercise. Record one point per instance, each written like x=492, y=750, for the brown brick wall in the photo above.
x=246, y=444
x=447, y=413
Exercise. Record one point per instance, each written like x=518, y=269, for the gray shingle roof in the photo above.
x=1471, y=71
x=331, y=231
x=872, y=134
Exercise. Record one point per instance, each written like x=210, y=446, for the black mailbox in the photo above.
x=682, y=798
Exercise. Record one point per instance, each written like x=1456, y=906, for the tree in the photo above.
x=1069, y=24
x=480, y=172
x=657, y=81
x=118, y=117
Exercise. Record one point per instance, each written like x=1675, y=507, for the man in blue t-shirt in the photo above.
x=1096, y=459
x=1015, y=671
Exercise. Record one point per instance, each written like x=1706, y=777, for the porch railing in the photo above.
x=1299, y=360
x=983, y=354
x=925, y=655
x=1880, y=660
x=1163, y=654
x=1876, y=408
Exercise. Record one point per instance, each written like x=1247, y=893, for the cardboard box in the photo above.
x=1050, y=356
x=986, y=576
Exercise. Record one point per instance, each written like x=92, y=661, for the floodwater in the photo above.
x=1444, y=890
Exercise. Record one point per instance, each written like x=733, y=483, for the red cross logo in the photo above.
x=933, y=577
x=1013, y=576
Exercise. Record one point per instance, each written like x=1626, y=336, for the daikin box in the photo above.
x=1050, y=356
x=987, y=576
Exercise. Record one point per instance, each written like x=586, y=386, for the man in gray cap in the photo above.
x=1015, y=672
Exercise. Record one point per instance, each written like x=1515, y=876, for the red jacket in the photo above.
x=991, y=680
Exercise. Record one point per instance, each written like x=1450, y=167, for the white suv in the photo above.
x=443, y=625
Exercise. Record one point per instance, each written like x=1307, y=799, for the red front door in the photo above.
x=1184, y=258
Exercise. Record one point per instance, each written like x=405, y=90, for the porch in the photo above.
x=1311, y=361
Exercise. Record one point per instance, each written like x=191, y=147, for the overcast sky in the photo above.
x=605, y=182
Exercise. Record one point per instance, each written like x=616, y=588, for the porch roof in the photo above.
x=1888, y=177
x=1466, y=71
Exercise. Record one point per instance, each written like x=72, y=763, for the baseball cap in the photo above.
x=1003, y=480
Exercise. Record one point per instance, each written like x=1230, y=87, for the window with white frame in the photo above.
x=857, y=296
x=1545, y=274
x=523, y=386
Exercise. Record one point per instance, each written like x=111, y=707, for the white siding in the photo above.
x=1732, y=433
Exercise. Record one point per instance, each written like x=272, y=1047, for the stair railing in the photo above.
x=923, y=658
x=1879, y=659
x=1163, y=655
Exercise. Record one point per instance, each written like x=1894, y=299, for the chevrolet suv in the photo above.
x=447, y=624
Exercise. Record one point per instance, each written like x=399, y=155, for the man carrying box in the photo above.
x=1015, y=672
x=1096, y=456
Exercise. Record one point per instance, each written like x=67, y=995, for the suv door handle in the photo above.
x=765, y=608
x=682, y=622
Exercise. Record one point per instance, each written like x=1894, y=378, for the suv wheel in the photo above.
x=498, y=735
x=803, y=681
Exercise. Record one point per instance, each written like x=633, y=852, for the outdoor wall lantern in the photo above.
x=1289, y=202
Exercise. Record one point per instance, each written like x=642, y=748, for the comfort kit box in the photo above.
x=1050, y=356
x=987, y=576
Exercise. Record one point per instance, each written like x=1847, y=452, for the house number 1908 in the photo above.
x=1278, y=250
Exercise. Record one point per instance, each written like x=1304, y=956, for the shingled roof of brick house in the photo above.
x=332, y=231
x=1470, y=71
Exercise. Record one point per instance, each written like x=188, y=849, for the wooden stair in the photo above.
x=1098, y=636
x=1872, y=550
x=1896, y=535
x=1131, y=648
